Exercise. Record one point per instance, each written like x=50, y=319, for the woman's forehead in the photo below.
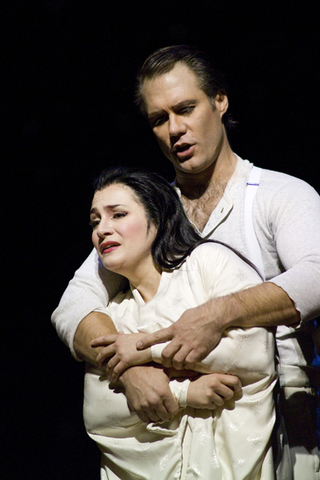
x=116, y=194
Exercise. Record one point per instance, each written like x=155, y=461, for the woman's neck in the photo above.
x=146, y=281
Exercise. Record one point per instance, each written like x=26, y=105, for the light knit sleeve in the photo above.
x=292, y=217
x=89, y=290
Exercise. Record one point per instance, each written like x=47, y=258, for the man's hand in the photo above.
x=199, y=330
x=193, y=336
x=148, y=393
x=123, y=352
x=212, y=390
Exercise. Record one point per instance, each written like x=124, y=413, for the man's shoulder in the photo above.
x=245, y=166
x=278, y=186
x=275, y=180
x=280, y=190
x=281, y=176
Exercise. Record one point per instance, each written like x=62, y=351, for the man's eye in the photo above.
x=187, y=110
x=157, y=122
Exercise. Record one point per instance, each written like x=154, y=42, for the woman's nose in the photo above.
x=105, y=228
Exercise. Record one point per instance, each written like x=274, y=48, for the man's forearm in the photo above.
x=92, y=326
x=265, y=305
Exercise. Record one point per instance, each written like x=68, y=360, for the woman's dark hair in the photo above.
x=176, y=237
x=162, y=61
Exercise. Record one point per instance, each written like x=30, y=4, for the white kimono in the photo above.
x=228, y=443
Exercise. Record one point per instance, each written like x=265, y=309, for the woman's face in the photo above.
x=121, y=233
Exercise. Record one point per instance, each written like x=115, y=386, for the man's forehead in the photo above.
x=179, y=70
x=180, y=84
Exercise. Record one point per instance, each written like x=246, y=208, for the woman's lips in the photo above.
x=108, y=247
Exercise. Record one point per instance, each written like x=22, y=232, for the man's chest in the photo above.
x=199, y=210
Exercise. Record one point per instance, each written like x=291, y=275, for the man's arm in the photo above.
x=93, y=325
x=199, y=329
x=287, y=299
x=89, y=290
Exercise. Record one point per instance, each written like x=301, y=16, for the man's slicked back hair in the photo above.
x=162, y=61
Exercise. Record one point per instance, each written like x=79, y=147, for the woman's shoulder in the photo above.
x=208, y=255
x=214, y=256
x=211, y=248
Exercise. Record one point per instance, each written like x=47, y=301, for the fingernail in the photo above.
x=139, y=345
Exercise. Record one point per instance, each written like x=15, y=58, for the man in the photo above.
x=186, y=104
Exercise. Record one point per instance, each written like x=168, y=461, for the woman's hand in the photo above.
x=122, y=349
x=212, y=390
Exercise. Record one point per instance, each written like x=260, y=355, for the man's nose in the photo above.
x=177, y=126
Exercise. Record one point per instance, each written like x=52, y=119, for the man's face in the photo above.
x=187, y=126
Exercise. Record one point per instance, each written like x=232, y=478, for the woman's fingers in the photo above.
x=104, y=340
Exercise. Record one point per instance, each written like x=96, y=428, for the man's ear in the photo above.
x=222, y=103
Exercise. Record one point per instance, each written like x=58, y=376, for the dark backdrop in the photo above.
x=67, y=107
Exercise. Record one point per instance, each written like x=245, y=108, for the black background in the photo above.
x=68, y=70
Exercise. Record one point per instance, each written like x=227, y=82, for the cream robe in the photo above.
x=229, y=443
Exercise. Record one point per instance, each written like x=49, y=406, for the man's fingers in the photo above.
x=163, y=411
x=181, y=356
x=172, y=407
x=173, y=351
x=142, y=415
x=193, y=356
x=160, y=336
x=154, y=414
x=177, y=353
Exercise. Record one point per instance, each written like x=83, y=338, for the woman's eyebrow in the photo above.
x=94, y=209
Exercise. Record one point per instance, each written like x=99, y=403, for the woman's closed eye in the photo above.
x=119, y=214
x=94, y=223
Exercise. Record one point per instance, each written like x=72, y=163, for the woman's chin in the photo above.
x=114, y=268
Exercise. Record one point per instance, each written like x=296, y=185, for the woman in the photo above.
x=140, y=231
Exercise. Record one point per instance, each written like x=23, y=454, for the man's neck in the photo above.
x=193, y=186
x=202, y=193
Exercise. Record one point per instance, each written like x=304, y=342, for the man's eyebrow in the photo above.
x=184, y=103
